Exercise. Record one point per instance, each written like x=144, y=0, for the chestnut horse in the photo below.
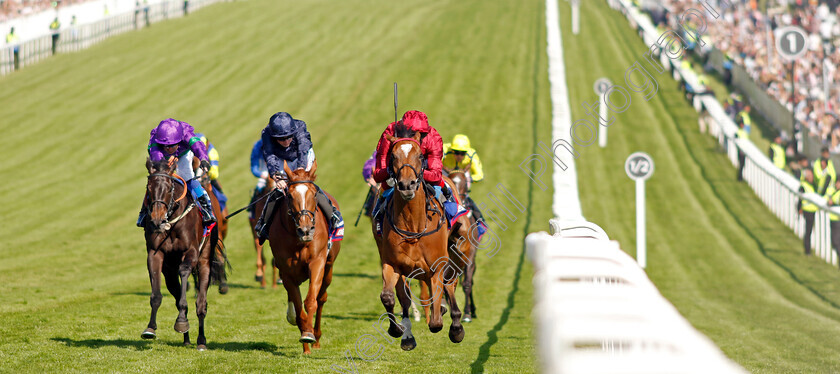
x=300, y=242
x=414, y=243
x=259, y=276
x=464, y=238
x=176, y=247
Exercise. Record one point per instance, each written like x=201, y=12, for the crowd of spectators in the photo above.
x=742, y=33
x=10, y=9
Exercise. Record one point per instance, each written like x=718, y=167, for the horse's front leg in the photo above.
x=201, y=300
x=154, y=263
x=182, y=324
x=389, y=281
x=407, y=342
x=316, y=277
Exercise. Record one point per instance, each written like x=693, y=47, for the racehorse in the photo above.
x=176, y=247
x=300, y=242
x=414, y=243
x=464, y=238
x=258, y=207
x=220, y=259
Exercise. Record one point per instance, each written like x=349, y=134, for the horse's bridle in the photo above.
x=172, y=205
x=430, y=207
x=417, y=175
x=296, y=215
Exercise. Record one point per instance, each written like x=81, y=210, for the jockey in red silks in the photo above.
x=431, y=144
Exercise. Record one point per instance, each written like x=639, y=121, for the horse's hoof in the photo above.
x=408, y=344
x=258, y=278
x=435, y=328
x=223, y=289
x=201, y=347
x=182, y=327
x=395, y=330
x=307, y=337
x=279, y=281
x=149, y=333
x=456, y=334
x=466, y=319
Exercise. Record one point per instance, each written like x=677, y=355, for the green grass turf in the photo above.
x=75, y=288
x=714, y=250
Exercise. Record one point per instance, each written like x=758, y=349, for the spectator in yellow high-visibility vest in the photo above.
x=13, y=40
x=54, y=29
x=832, y=197
x=744, y=117
x=777, y=153
x=824, y=172
x=806, y=208
x=742, y=158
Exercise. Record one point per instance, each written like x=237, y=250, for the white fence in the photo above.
x=775, y=187
x=597, y=312
x=74, y=38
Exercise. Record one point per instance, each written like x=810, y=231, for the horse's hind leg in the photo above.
x=201, y=302
x=154, y=263
x=407, y=342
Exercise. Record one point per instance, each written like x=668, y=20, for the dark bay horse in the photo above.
x=220, y=259
x=259, y=276
x=414, y=243
x=463, y=239
x=300, y=241
x=176, y=247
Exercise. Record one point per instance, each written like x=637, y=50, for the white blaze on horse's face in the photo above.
x=456, y=180
x=406, y=148
x=301, y=189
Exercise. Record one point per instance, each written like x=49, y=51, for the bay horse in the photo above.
x=300, y=241
x=464, y=238
x=414, y=243
x=259, y=276
x=220, y=259
x=176, y=247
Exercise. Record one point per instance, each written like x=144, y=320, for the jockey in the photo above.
x=431, y=145
x=174, y=140
x=260, y=170
x=286, y=139
x=213, y=173
x=458, y=155
x=367, y=174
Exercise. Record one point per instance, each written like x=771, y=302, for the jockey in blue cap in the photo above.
x=286, y=139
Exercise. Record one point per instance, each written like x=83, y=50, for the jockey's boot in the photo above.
x=142, y=217
x=206, y=209
x=329, y=210
x=264, y=222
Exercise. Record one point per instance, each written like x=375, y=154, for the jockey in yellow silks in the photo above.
x=458, y=155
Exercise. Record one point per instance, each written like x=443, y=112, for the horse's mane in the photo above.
x=401, y=130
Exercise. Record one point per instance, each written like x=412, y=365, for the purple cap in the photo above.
x=168, y=132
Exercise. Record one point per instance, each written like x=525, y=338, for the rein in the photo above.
x=173, y=203
x=429, y=204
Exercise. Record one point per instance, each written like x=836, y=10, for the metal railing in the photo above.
x=77, y=37
x=777, y=189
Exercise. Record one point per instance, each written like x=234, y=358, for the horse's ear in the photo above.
x=172, y=165
x=314, y=167
x=149, y=164
x=416, y=136
x=286, y=169
x=390, y=138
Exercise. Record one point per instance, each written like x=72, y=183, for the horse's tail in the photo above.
x=220, y=262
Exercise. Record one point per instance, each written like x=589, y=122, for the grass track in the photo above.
x=75, y=288
x=714, y=250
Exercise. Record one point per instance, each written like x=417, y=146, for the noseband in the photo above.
x=418, y=175
x=173, y=203
x=297, y=215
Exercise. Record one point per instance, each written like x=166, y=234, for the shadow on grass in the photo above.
x=142, y=345
x=146, y=294
x=353, y=316
x=356, y=275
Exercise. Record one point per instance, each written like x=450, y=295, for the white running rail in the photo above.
x=596, y=311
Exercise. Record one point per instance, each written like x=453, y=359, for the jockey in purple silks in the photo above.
x=172, y=138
